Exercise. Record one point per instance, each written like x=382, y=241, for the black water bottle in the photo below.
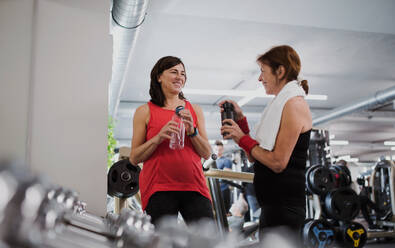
x=228, y=113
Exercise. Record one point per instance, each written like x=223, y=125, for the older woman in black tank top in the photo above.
x=279, y=170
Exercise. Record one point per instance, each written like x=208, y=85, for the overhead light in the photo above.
x=339, y=142
x=317, y=97
x=243, y=93
x=344, y=157
x=245, y=100
x=348, y=158
x=212, y=92
x=389, y=143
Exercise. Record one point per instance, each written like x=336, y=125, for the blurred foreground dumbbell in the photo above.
x=37, y=215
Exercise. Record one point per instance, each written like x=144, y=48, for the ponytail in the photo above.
x=305, y=86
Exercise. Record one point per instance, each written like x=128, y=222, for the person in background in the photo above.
x=223, y=163
x=279, y=148
x=171, y=181
x=250, y=195
x=236, y=214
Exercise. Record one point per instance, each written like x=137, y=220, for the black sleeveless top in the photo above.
x=288, y=187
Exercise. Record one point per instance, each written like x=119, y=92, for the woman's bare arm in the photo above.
x=142, y=149
x=200, y=141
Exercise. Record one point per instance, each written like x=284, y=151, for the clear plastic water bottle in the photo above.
x=177, y=139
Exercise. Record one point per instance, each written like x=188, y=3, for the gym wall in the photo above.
x=61, y=54
x=15, y=48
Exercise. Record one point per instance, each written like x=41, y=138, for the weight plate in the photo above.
x=320, y=179
x=123, y=179
x=353, y=235
x=342, y=204
x=318, y=234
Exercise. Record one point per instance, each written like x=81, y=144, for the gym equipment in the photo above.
x=319, y=149
x=383, y=188
x=318, y=234
x=342, y=204
x=123, y=179
x=352, y=234
x=342, y=175
x=319, y=179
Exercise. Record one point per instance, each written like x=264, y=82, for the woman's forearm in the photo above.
x=144, y=151
x=201, y=146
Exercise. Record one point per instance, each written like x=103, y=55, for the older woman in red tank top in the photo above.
x=171, y=181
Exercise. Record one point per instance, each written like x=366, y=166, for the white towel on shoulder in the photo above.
x=267, y=128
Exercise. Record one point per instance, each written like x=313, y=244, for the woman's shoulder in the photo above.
x=143, y=110
x=143, y=107
x=297, y=103
x=142, y=113
x=298, y=107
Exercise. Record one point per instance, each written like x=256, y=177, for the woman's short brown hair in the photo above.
x=287, y=57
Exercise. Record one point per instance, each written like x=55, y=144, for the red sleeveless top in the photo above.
x=167, y=169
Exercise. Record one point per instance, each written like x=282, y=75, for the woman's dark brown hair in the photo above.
x=155, y=91
x=287, y=57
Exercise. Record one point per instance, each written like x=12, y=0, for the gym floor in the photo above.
x=372, y=244
x=375, y=242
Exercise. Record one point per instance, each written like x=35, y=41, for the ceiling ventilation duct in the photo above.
x=127, y=17
x=380, y=97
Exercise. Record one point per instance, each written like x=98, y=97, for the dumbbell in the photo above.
x=318, y=233
x=351, y=234
x=129, y=224
x=36, y=220
x=112, y=227
x=28, y=216
x=122, y=231
x=76, y=214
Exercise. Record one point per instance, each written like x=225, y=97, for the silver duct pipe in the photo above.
x=127, y=16
x=129, y=13
x=380, y=97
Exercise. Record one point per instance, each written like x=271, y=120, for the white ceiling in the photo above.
x=347, y=49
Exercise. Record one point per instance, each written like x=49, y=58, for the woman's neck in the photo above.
x=173, y=101
x=281, y=85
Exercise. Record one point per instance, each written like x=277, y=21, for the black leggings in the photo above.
x=192, y=205
x=226, y=198
x=289, y=219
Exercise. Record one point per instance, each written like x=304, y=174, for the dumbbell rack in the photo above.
x=339, y=204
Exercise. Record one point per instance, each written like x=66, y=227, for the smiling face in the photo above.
x=173, y=79
x=269, y=79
